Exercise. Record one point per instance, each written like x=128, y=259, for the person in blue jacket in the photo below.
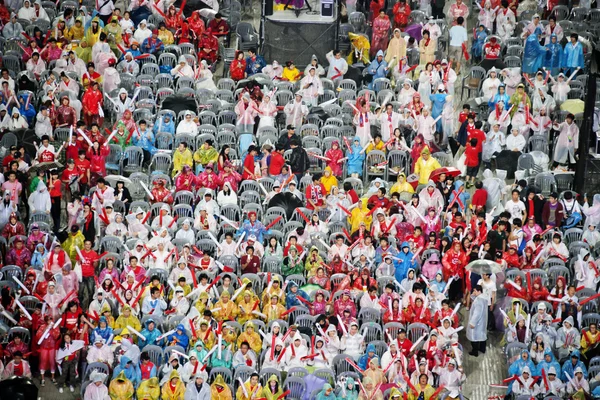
x=463, y=196
x=573, y=55
x=370, y=353
x=437, y=105
x=131, y=370
x=548, y=362
x=28, y=112
x=498, y=97
x=385, y=248
x=516, y=368
x=291, y=298
x=254, y=63
x=554, y=55
x=179, y=338
x=533, y=55
x=378, y=68
x=404, y=263
x=165, y=124
x=103, y=330
x=355, y=158
x=571, y=365
x=150, y=332
x=144, y=138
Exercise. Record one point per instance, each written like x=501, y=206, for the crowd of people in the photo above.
x=242, y=248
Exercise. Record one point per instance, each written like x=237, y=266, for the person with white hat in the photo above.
x=187, y=124
x=163, y=219
x=525, y=384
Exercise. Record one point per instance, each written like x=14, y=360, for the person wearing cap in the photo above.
x=287, y=138
x=525, y=385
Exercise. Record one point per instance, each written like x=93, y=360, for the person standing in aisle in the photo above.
x=478, y=316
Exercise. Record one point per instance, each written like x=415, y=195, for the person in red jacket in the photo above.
x=237, y=69
x=401, y=13
x=249, y=169
x=472, y=160
x=539, y=292
x=277, y=161
x=379, y=200
x=88, y=273
x=479, y=197
x=209, y=47
x=453, y=265
x=92, y=102
x=516, y=292
x=511, y=257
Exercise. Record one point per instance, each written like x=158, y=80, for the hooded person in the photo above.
x=130, y=370
x=174, y=388
x=182, y=69
x=150, y=332
x=149, y=390
x=15, y=121
x=568, y=339
x=295, y=353
x=547, y=363
x=219, y=390
x=326, y=393
x=97, y=390
x=518, y=366
x=356, y=158
x=404, y=263
x=198, y=388
x=121, y=388
x=571, y=364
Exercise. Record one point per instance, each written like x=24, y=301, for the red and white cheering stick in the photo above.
x=353, y=364
x=304, y=217
x=291, y=310
x=315, y=155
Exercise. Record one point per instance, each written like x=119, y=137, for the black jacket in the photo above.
x=299, y=161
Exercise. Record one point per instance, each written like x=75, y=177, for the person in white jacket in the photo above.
x=39, y=201
x=36, y=65
x=578, y=382
x=43, y=125
x=332, y=342
x=295, y=352
x=320, y=359
x=142, y=32
x=353, y=343
x=26, y=12
x=100, y=352
x=16, y=121
x=585, y=273
x=97, y=390
x=451, y=377
x=197, y=388
x=525, y=385
x=186, y=233
x=227, y=195
x=182, y=69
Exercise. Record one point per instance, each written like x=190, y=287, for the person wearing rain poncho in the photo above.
x=571, y=364
x=14, y=121
x=121, y=388
x=568, y=141
x=524, y=385
x=553, y=60
x=584, y=271
x=378, y=68
x=96, y=390
x=356, y=158
x=223, y=360
x=150, y=332
x=174, y=389
x=205, y=80
x=182, y=69
x=129, y=369
x=187, y=124
x=425, y=165
x=227, y=309
x=219, y=390
x=533, y=54
x=40, y=201
x=311, y=86
x=122, y=102
x=149, y=390
x=198, y=388
x=568, y=338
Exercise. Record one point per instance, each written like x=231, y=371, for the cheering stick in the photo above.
x=20, y=284
x=164, y=335
x=135, y=332
x=233, y=224
x=208, y=354
x=11, y=319
x=275, y=221
x=414, y=346
x=147, y=190
x=23, y=309
x=87, y=139
x=356, y=367
x=282, y=396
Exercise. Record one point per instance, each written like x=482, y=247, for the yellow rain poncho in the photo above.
x=246, y=304
x=71, y=242
x=268, y=392
x=254, y=392
x=424, y=168
x=402, y=185
x=252, y=337
x=126, y=318
x=121, y=388
x=227, y=309
x=360, y=49
x=173, y=391
x=149, y=390
x=219, y=390
x=359, y=215
x=328, y=179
